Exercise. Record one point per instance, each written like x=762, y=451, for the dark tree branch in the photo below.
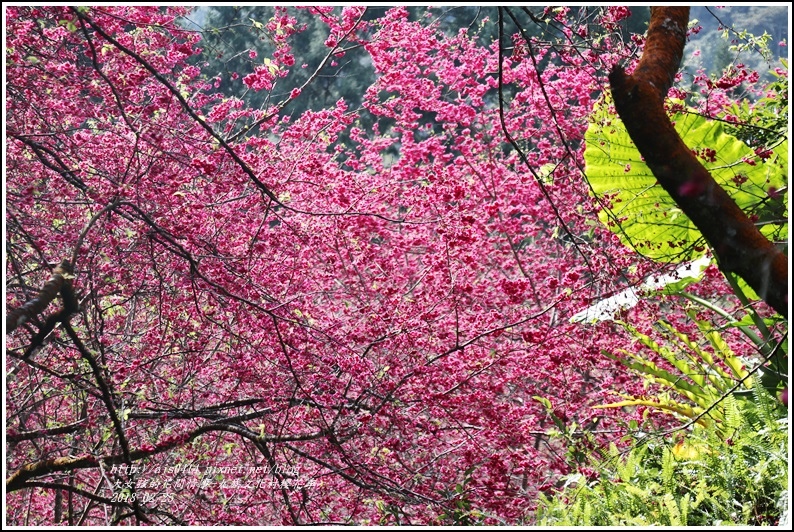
x=61, y=277
x=44, y=433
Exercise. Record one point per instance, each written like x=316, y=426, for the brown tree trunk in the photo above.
x=639, y=99
x=61, y=277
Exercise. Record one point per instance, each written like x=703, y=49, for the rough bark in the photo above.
x=61, y=278
x=738, y=245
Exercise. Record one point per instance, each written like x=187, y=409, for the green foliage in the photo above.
x=699, y=373
x=642, y=213
x=696, y=379
x=728, y=463
x=764, y=126
x=729, y=468
x=745, y=40
x=459, y=511
x=704, y=477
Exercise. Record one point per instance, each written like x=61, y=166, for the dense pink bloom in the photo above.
x=340, y=328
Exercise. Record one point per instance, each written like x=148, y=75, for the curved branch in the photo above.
x=515, y=145
x=57, y=164
x=18, y=479
x=639, y=99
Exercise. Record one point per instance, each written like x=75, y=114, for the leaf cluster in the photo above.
x=646, y=218
x=695, y=478
x=728, y=464
x=696, y=379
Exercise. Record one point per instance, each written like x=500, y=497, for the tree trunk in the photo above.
x=639, y=99
x=61, y=277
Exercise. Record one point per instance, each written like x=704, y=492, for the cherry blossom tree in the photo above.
x=221, y=314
